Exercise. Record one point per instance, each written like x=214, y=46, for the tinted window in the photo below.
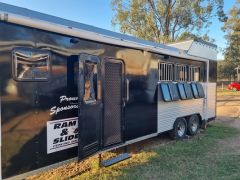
x=195, y=91
x=188, y=91
x=90, y=81
x=181, y=91
x=165, y=92
x=200, y=90
x=173, y=91
x=31, y=64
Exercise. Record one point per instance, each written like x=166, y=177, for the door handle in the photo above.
x=127, y=90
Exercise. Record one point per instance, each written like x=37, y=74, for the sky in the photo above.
x=99, y=13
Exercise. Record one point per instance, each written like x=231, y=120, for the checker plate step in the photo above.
x=115, y=160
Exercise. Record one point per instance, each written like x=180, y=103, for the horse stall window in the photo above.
x=165, y=92
x=200, y=90
x=173, y=91
x=166, y=71
x=181, y=91
x=90, y=81
x=31, y=64
x=194, y=73
x=180, y=72
x=194, y=89
x=188, y=90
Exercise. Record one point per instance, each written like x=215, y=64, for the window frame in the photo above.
x=84, y=59
x=181, y=68
x=168, y=73
x=29, y=55
x=191, y=73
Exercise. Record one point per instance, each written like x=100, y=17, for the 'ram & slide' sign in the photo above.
x=62, y=134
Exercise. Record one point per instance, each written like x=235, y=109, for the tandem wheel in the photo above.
x=193, y=125
x=179, y=129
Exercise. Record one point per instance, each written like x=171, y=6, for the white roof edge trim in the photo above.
x=71, y=31
x=180, y=42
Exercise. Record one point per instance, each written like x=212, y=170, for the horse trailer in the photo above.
x=70, y=90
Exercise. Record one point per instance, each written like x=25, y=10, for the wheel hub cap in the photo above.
x=181, y=129
x=194, y=125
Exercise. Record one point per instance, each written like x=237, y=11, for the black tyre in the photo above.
x=193, y=125
x=179, y=129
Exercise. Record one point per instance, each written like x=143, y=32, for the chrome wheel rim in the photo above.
x=194, y=125
x=181, y=129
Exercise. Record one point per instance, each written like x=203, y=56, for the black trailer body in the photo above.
x=64, y=96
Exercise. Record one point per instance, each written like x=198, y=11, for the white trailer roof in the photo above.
x=196, y=47
x=26, y=17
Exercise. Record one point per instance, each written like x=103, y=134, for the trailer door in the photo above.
x=113, y=83
x=89, y=105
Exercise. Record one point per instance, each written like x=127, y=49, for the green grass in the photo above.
x=201, y=157
x=226, y=92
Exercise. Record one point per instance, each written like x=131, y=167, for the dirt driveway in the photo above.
x=228, y=110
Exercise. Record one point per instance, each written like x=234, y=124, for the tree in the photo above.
x=165, y=20
x=226, y=70
x=232, y=28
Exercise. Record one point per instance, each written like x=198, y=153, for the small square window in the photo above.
x=31, y=64
x=165, y=92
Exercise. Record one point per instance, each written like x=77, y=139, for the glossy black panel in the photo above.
x=90, y=105
x=212, y=71
x=29, y=107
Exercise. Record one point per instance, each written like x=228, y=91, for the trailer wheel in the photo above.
x=179, y=129
x=193, y=125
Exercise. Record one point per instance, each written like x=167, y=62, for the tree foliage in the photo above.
x=232, y=28
x=226, y=70
x=165, y=20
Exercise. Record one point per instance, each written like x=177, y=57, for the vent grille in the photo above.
x=112, y=103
